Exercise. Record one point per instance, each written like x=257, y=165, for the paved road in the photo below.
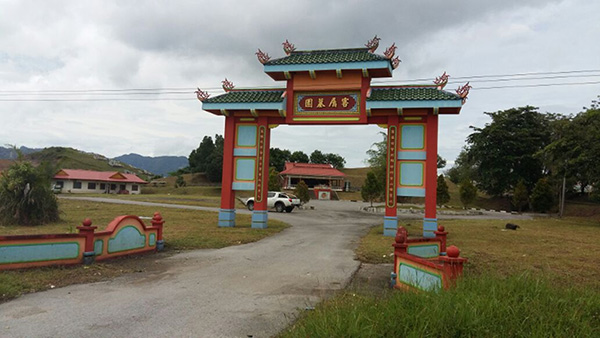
x=254, y=289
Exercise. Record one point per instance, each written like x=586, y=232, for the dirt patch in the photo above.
x=372, y=278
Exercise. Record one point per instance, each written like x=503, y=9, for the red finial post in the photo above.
x=157, y=221
x=87, y=230
x=453, y=264
x=441, y=235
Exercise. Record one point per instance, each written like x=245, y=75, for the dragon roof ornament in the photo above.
x=396, y=62
x=288, y=47
x=390, y=51
x=227, y=85
x=262, y=56
x=441, y=81
x=201, y=95
x=463, y=91
x=373, y=44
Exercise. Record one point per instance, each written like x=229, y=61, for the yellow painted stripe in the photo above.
x=249, y=119
x=413, y=118
x=326, y=119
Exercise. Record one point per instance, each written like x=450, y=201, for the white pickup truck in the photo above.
x=278, y=200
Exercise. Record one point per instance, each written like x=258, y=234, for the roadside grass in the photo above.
x=565, y=250
x=520, y=305
x=183, y=230
x=542, y=280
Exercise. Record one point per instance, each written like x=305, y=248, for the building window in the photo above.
x=122, y=187
x=60, y=184
x=102, y=186
x=91, y=186
x=76, y=185
x=113, y=187
x=134, y=187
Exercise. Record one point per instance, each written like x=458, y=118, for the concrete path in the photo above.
x=255, y=289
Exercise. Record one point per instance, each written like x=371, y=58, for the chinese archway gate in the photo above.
x=333, y=87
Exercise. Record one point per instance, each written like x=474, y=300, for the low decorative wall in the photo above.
x=125, y=235
x=425, y=263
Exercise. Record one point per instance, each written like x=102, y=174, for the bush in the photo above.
x=520, y=196
x=26, y=197
x=468, y=192
x=274, y=182
x=443, y=195
x=542, y=197
x=372, y=188
x=301, y=191
x=180, y=182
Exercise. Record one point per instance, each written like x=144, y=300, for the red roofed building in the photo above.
x=314, y=175
x=101, y=182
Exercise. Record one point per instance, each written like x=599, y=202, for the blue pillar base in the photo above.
x=429, y=227
x=160, y=245
x=259, y=219
x=226, y=217
x=89, y=257
x=390, y=226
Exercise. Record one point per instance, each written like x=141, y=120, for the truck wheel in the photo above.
x=289, y=209
x=250, y=205
x=279, y=207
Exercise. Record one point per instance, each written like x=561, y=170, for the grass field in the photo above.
x=183, y=229
x=542, y=280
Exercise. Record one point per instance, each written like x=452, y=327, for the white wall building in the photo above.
x=101, y=182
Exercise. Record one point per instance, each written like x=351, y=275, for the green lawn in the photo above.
x=542, y=280
x=183, y=229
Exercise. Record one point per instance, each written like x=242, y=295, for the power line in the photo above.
x=494, y=78
x=539, y=85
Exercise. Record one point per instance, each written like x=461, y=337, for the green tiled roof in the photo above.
x=410, y=94
x=244, y=96
x=327, y=56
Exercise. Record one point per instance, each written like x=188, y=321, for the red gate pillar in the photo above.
x=390, y=221
x=430, y=220
x=261, y=184
x=227, y=211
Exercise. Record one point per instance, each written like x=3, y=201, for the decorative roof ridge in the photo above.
x=341, y=50
x=256, y=90
x=404, y=86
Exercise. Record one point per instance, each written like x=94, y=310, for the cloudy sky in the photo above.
x=86, y=74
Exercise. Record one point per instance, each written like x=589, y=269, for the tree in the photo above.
x=214, y=166
x=278, y=157
x=503, y=151
x=180, y=182
x=335, y=160
x=441, y=162
x=318, y=157
x=274, y=182
x=299, y=157
x=301, y=191
x=542, y=196
x=372, y=188
x=377, y=159
x=198, y=159
x=25, y=196
x=443, y=195
x=463, y=169
x=573, y=153
x=520, y=196
x=468, y=192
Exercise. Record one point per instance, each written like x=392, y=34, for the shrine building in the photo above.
x=333, y=87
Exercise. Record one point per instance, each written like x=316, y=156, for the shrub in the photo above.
x=180, y=182
x=520, y=196
x=301, y=191
x=468, y=192
x=372, y=188
x=542, y=197
x=443, y=195
x=26, y=197
x=274, y=182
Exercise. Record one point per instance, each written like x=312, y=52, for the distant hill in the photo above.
x=69, y=158
x=160, y=165
x=8, y=153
